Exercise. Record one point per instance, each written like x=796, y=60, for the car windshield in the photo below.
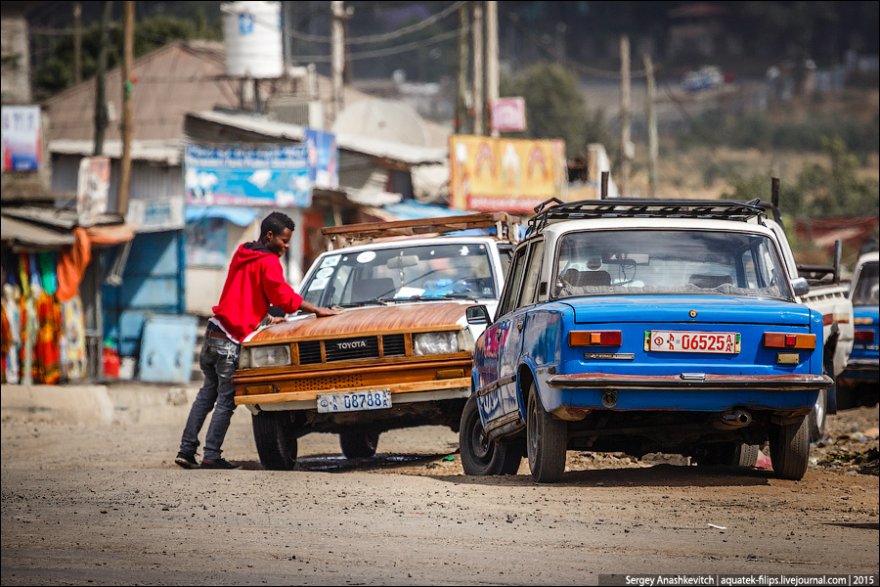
x=865, y=292
x=668, y=262
x=389, y=275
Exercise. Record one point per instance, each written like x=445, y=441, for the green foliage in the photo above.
x=759, y=132
x=555, y=107
x=56, y=72
x=819, y=191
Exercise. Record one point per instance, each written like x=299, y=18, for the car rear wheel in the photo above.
x=275, y=437
x=790, y=449
x=479, y=455
x=359, y=444
x=546, y=439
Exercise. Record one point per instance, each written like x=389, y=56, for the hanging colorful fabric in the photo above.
x=48, y=262
x=48, y=365
x=73, y=340
x=12, y=311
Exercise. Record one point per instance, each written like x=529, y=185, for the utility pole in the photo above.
x=337, y=56
x=479, y=94
x=463, y=60
x=653, y=147
x=100, y=92
x=77, y=42
x=127, y=106
x=625, y=143
x=491, y=59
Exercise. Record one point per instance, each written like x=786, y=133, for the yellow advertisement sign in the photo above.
x=511, y=175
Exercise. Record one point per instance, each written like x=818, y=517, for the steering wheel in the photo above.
x=464, y=286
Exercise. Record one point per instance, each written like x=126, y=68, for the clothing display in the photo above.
x=43, y=335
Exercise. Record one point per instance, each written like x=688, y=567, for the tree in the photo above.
x=555, y=107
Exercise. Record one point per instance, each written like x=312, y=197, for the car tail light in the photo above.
x=595, y=338
x=783, y=340
x=864, y=336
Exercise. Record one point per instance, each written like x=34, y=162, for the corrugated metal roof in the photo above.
x=157, y=151
x=408, y=154
x=18, y=232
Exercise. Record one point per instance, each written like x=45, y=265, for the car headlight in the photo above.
x=441, y=343
x=268, y=356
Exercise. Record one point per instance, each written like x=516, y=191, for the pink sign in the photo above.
x=509, y=114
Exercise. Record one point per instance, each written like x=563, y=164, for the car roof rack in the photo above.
x=342, y=236
x=633, y=208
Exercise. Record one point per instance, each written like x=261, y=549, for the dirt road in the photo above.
x=99, y=502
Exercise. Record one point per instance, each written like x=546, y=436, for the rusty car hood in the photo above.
x=418, y=317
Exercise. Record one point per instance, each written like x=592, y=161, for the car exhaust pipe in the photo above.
x=733, y=419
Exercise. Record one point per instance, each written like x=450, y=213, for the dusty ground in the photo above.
x=99, y=502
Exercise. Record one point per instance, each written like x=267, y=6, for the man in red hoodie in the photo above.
x=254, y=282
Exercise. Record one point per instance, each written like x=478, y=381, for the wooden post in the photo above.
x=127, y=107
x=653, y=146
x=100, y=92
x=479, y=95
x=463, y=59
x=491, y=59
x=625, y=141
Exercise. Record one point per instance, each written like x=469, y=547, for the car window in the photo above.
x=437, y=271
x=513, y=282
x=532, y=274
x=659, y=261
x=865, y=292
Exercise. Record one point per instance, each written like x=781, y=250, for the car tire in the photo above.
x=730, y=454
x=359, y=444
x=275, y=437
x=818, y=416
x=479, y=455
x=790, y=449
x=546, y=441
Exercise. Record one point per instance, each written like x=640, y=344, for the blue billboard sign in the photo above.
x=251, y=176
x=323, y=158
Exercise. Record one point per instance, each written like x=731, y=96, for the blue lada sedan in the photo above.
x=644, y=326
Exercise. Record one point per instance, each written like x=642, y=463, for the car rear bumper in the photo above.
x=708, y=393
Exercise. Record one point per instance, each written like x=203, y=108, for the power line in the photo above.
x=383, y=36
x=384, y=52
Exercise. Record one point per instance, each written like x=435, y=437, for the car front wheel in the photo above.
x=546, y=439
x=275, y=437
x=479, y=455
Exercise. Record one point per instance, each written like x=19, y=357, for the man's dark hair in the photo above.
x=276, y=222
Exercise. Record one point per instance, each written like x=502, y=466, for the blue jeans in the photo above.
x=218, y=360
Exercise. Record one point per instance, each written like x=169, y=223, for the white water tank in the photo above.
x=252, y=39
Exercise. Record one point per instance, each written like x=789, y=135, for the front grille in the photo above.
x=347, y=349
x=310, y=352
x=393, y=345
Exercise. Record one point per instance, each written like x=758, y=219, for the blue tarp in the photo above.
x=238, y=215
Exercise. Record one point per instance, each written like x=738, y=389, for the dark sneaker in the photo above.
x=186, y=461
x=218, y=464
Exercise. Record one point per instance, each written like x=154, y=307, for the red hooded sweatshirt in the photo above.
x=254, y=282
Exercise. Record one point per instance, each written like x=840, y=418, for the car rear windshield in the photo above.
x=865, y=292
x=441, y=271
x=668, y=262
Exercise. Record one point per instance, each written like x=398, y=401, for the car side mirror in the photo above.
x=800, y=286
x=477, y=315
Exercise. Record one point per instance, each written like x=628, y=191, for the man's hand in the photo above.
x=318, y=311
x=277, y=319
